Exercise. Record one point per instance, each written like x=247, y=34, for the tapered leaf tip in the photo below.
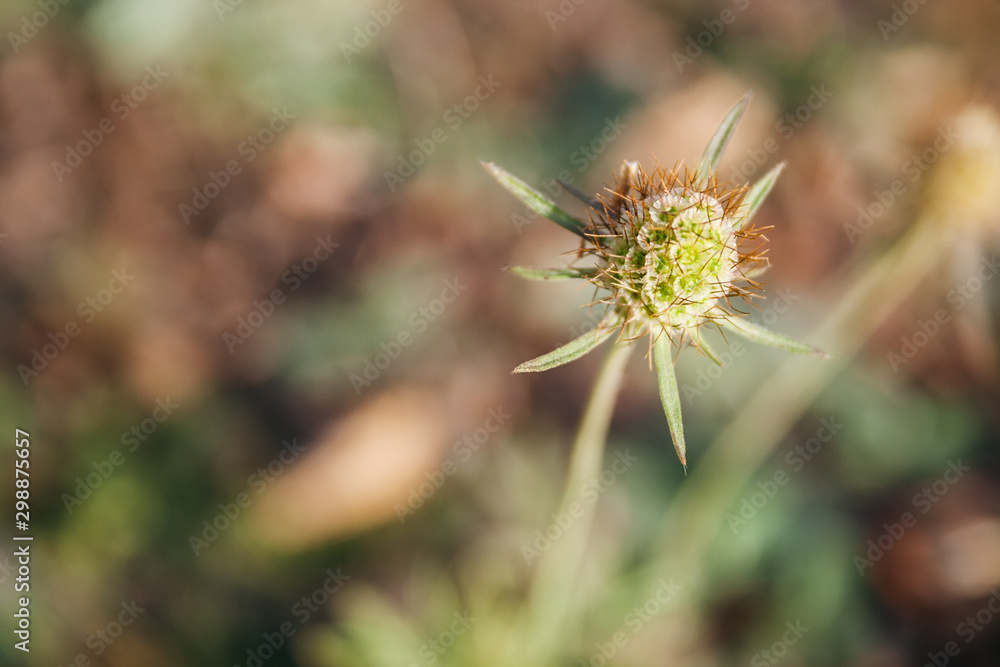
x=770, y=178
x=741, y=106
x=669, y=395
x=711, y=156
x=779, y=168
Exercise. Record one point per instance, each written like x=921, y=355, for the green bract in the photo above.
x=673, y=248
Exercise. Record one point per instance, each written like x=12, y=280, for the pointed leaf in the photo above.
x=758, y=193
x=669, y=395
x=717, y=145
x=581, y=195
x=756, y=271
x=759, y=334
x=572, y=350
x=551, y=274
x=535, y=200
x=703, y=346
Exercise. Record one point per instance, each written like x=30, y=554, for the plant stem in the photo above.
x=696, y=516
x=555, y=581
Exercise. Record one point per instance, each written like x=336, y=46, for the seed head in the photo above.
x=673, y=248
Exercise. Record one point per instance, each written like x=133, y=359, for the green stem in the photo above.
x=555, y=581
x=696, y=516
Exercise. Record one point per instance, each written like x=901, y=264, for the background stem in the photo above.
x=556, y=578
x=693, y=521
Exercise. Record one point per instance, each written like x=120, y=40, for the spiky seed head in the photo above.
x=671, y=247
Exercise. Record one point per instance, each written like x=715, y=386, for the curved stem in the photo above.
x=696, y=516
x=559, y=567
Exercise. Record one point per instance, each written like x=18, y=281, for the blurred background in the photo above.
x=256, y=322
